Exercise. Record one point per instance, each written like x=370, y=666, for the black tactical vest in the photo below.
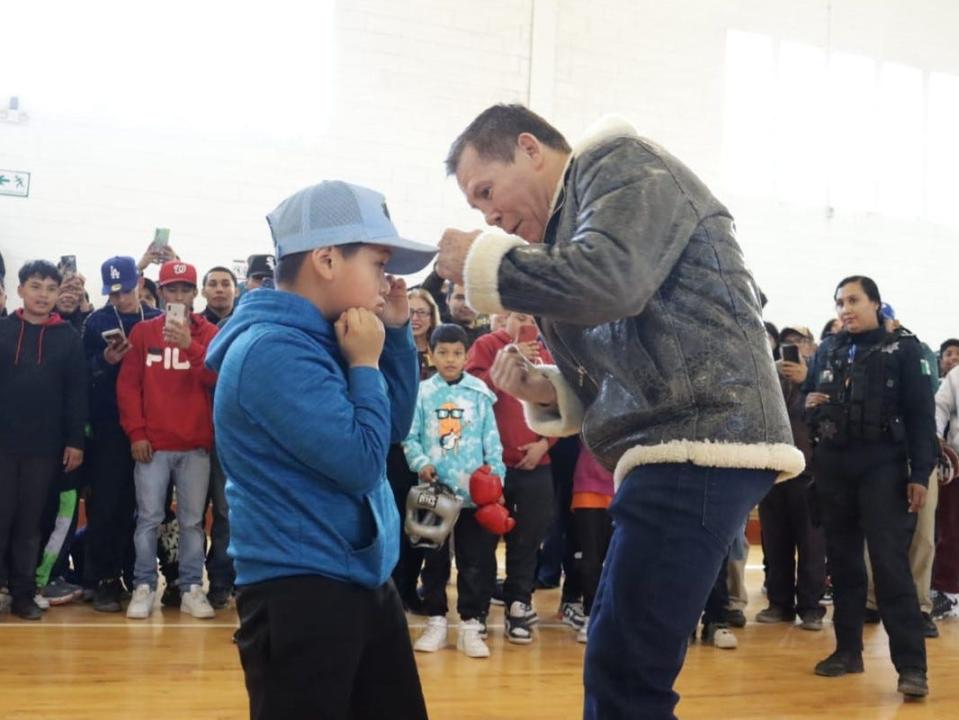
x=862, y=382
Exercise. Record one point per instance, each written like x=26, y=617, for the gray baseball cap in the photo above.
x=338, y=213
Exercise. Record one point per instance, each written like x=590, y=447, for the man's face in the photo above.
x=512, y=196
x=67, y=301
x=179, y=292
x=459, y=310
x=359, y=281
x=807, y=348
x=39, y=295
x=449, y=359
x=219, y=290
x=950, y=358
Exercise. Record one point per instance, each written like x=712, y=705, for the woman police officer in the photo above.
x=872, y=414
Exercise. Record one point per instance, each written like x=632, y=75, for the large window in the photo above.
x=839, y=130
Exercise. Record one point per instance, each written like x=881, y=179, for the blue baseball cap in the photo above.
x=338, y=213
x=120, y=274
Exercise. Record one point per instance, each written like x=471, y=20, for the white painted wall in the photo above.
x=203, y=120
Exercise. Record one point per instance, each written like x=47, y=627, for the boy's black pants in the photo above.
x=24, y=484
x=317, y=648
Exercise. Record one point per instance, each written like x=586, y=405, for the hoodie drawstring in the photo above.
x=23, y=328
x=43, y=329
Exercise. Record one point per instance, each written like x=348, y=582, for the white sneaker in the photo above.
x=41, y=602
x=141, y=604
x=469, y=641
x=571, y=613
x=581, y=636
x=195, y=603
x=721, y=638
x=434, y=637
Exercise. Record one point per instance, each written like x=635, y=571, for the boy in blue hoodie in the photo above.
x=315, y=381
x=454, y=433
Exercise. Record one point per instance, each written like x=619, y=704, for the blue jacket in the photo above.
x=454, y=430
x=303, y=440
x=103, y=375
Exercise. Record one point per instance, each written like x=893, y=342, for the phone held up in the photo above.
x=175, y=312
x=790, y=353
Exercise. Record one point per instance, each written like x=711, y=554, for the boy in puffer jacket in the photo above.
x=454, y=433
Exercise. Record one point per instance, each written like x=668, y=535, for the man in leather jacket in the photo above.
x=633, y=271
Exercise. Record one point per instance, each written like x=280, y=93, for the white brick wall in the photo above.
x=407, y=77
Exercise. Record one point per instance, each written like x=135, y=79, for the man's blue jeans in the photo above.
x=191, y=477
x=674, y=524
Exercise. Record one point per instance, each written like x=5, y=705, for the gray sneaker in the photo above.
x=60, y=592
x=5, y=601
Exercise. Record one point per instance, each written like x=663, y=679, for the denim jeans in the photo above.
x=219, y=565
x=191, y=477
x=673, y=526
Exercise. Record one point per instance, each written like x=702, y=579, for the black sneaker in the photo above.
x=519, y=629
x=811, y=621
x=107, y=597
x=872, y=617
x=929, y=629
x=840, y=663
x=26, y=609
x=912, y=683
x=218, y=598
x=775, y=614
x=171, y=596
x=736, y=618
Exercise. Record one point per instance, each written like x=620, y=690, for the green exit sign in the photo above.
x=15, y=183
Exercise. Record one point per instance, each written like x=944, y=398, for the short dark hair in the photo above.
x=827, y=329
x=449, y=333
x=773, y=332
x=868, y=286
x=494, y=131
x=220, y=268
x=40, y=269
x=951, y=342
x=288, y=266
x=151, y=287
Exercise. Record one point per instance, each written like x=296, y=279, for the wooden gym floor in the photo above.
x=77, y=664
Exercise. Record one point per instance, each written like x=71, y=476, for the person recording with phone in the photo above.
x=870, y=407
x=793, y=588
x=109, y=474
x=166, y=411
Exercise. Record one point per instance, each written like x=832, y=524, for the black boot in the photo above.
x=107, y=597
x=840, y=663
x=26, y=609
x=912, y=683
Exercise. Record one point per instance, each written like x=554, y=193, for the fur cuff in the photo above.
x=787, y=459
x=481, y=271
x=562, y=421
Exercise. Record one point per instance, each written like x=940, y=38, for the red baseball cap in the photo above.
x=174, y=271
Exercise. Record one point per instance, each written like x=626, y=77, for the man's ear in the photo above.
x=323, y=261
x=530, y=147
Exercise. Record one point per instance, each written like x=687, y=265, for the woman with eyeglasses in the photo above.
x=871, y=412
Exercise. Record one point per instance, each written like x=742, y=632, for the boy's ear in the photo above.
x=324, y=260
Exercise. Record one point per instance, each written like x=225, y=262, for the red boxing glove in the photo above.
x=495, y=518
x=485, y=487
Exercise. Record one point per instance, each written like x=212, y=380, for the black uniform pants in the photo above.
x=320, y=649
x=112, y=503
x=529, y=498
x=861, y=491
x=24, y=484
x=787, y=529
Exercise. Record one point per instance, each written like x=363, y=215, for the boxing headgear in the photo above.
x=431, y=513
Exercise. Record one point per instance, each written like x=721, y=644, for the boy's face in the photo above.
x=358, y=281
x=126, y=302
x=449, y=359
x=950, y=358
x=39, y=295
x=219, y=291
x=515, y=322
x=179, y=292
x=67, y=301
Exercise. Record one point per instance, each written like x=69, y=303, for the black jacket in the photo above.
x=43, y=387
x=650, y=312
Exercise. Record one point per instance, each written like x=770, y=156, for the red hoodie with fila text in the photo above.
x=164, y=392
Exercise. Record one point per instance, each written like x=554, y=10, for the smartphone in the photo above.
x=528, y=333
x=790, y=353
x=113, y=336
x=175, y=311
x=68, y=265
x=161, y=238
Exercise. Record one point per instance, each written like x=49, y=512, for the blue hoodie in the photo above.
x=303, y=440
